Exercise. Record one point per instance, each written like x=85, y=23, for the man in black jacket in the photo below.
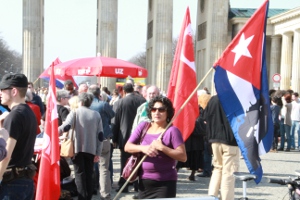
x=225, y=150
x=125, y=114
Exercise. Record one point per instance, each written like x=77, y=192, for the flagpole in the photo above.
x=35, y=81
x=160, y=136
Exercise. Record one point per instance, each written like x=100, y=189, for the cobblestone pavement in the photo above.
x=275, y=165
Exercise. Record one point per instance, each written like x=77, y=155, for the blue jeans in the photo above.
x=294, y=128
x=285, y=133
x=22, y=188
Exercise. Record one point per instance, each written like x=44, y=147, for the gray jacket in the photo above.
x=88, y=127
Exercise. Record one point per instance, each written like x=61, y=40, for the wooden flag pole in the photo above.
x=159, y=138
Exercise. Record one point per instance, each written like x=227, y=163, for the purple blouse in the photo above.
x=161, y=167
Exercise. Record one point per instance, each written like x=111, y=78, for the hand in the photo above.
x=157, y=144
x=150, y=151
x=96, y=158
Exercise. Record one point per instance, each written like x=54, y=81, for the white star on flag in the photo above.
x=241, y=48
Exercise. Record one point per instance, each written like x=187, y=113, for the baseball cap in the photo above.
x=13, y=80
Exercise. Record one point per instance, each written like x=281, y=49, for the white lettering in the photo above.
x=140, y=72
x=84, y=71
x=119, y=71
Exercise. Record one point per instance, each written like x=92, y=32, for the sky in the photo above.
x=70, y=25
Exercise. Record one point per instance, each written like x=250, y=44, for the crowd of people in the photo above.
x=285, y=107
x=133, y=119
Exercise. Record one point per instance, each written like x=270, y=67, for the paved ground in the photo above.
x=279, y=165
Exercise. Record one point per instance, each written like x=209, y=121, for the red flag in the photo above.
x=48, y=186
x=183, y=80
x=46, y=74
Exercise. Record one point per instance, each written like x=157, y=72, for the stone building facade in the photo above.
x=283, y=40
x=217, y=24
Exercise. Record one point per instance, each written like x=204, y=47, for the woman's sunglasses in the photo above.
x=160, y=109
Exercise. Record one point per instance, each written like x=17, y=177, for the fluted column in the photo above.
x=33, y=39
x=274, y=57
x=159, y=42
x=107, y=26
x=296, y=62
x=212, y=37
x=286, y=61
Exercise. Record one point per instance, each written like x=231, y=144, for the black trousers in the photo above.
x=150, y=189
x=83, y=170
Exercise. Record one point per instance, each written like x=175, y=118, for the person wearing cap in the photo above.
x=21, y=125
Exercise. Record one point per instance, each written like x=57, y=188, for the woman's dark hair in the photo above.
x=166, y=102
x=277, y=100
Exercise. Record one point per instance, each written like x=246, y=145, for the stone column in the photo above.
x=212, y=37
x=107, y=26
x=274, y=57
x=296, y=62
x=159, y=42
x=286, y=61
x=33, y=39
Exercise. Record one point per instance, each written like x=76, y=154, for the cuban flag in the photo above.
x=242, y=87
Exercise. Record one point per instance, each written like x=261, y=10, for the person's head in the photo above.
x=288, y=97
x=28, y=96
x=160, y=109
x=105, y=89
x=68, y=85
x=85, y=99
x=130, y=80
x=128, y=88
x=74, y=103
x=295, y=96
x=206, y=90
x=13, y=88
x=271, y=92
x=277, y=100
x=152, y=92
x=203, y=100
x=62, y=97
x=138, y=88
x=144, y=91
x=104, y=96
x=200, y=92
x=95, y=90
x=290, y=91
x=83, y=87
x=31, y=86
x=115, y=92
x=120, y=91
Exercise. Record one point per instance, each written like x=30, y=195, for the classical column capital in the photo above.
x=276, y=37
x=288, y=34
x=297, y=30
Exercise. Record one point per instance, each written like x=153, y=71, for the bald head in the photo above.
x=152, y=92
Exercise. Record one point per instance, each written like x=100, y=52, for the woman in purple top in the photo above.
x=158, y=175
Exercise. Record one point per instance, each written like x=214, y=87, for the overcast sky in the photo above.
x=70, y=25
